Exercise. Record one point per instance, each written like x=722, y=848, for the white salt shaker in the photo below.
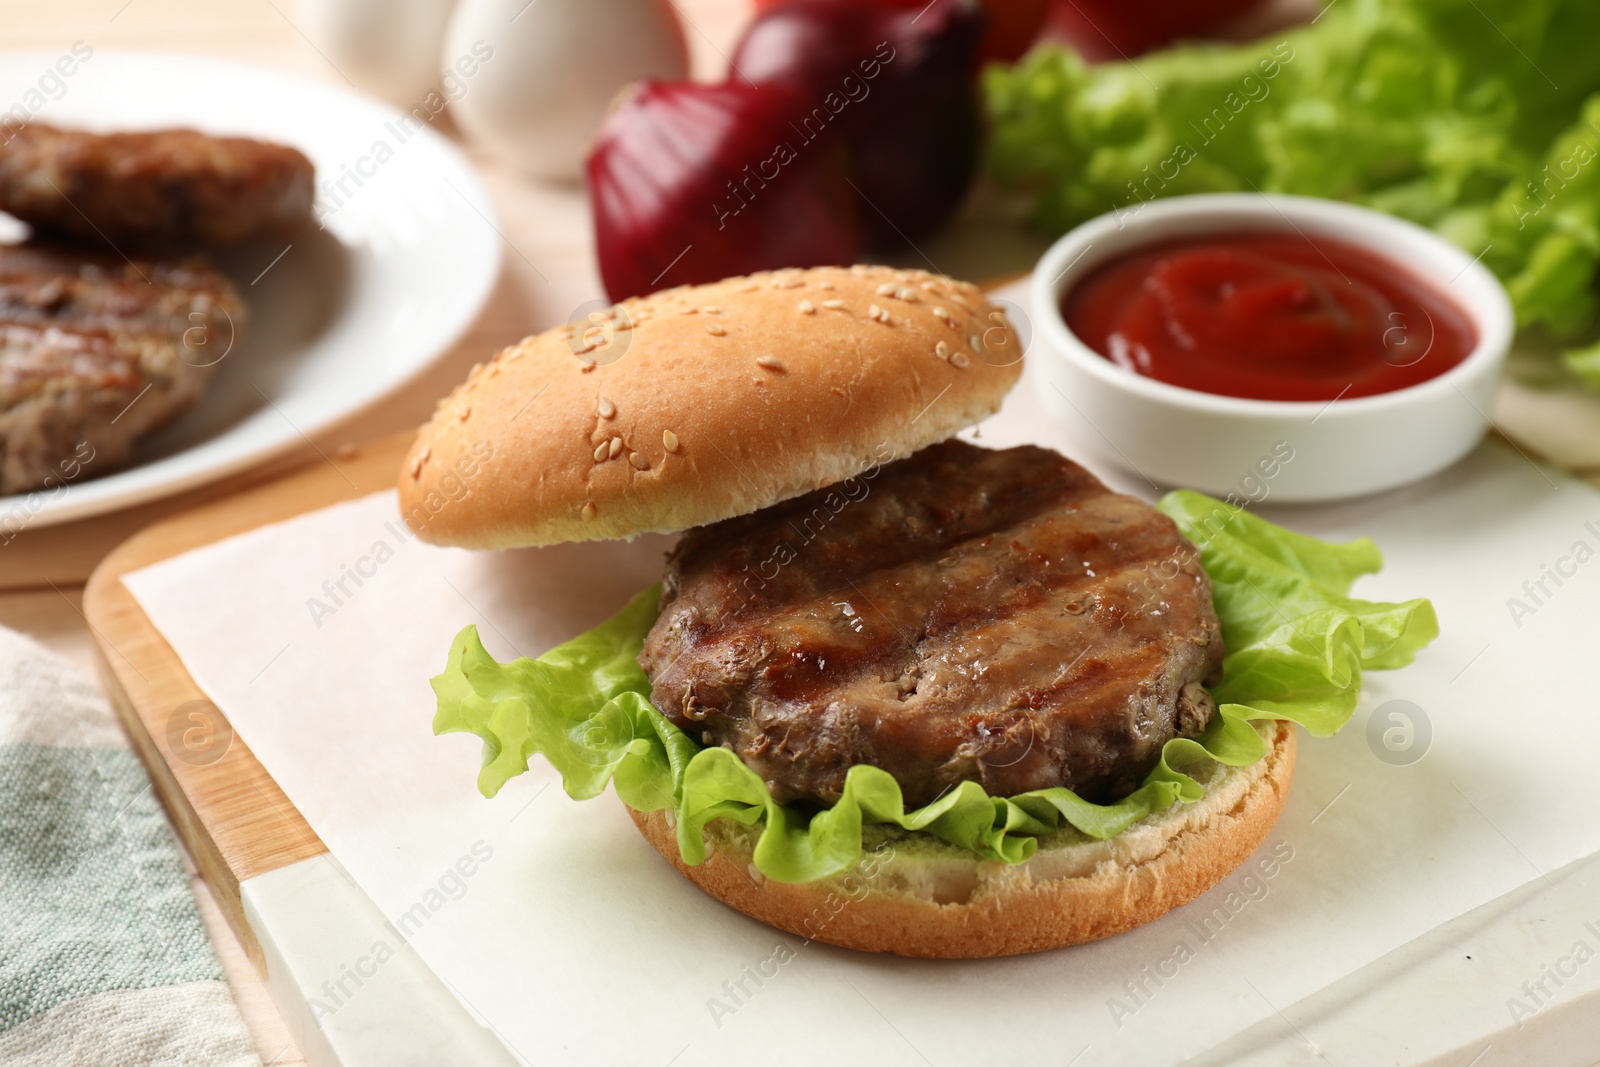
x=547, y=70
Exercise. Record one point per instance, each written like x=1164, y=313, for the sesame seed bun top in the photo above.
x=700, y=403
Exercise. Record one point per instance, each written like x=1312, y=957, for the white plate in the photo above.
x=351, y=312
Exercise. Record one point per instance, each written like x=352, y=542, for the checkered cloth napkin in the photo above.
x=103, y=959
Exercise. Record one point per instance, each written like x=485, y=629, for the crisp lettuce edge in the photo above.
x=1297, y=646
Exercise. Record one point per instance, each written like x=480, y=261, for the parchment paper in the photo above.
x=557, y=925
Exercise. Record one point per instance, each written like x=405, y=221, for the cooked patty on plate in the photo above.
x=96, y=351
x=165, y=186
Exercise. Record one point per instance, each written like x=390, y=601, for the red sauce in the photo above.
x=1270, y=317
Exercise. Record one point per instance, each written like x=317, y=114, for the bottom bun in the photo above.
x=915, y=895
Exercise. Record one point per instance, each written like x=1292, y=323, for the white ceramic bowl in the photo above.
x=1222, y=445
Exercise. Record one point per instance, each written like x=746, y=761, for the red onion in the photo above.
x=694, y=183
x=1013, y=24
x=1107, y=30
x=896, y=83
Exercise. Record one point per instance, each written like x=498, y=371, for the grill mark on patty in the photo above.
x=855, y=541
x=965, y=598
x=1013, y=589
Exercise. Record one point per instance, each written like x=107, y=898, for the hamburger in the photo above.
x=894, y=692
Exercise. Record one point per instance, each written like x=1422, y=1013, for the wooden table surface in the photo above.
x=549, y=271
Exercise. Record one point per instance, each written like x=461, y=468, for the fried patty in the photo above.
x=159, y=186
x=963, y=614
x=96, y=351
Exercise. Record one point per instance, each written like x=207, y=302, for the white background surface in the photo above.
x=579, y=945
x=347, y=315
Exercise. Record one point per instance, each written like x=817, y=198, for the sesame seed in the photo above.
x=669, y=440
x=600, y=451
x=427, y=450
x=833, y=305
x=615, y=448
x=476, y=367
x=463, y=413
x=416, y=467
x=960, y=360
x=874, y=311
x=787, y=283
x=769, y=362
x=589, y=512
x=886, y=289
x=513, y=353
x=825, y=285
x=927, y=287
x=638, y=461
x=606, y=408
x=941, y=350
x=710, y=311
x=688, y=311
x=807, y=307
x=941, y=313
x=908, y=295
x=972, y=343
x=716, y=331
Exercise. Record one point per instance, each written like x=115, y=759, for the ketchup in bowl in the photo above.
x=1269, y=316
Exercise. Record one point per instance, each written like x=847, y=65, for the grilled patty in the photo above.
x=159, y=186
x=963, y=614
x=96, y=351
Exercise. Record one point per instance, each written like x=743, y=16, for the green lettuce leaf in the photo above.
x=1584, y=362
x=1297, y=646
x=1480, y=121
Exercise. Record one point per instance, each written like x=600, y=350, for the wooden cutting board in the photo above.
x=232, y=816
x=241, y=828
